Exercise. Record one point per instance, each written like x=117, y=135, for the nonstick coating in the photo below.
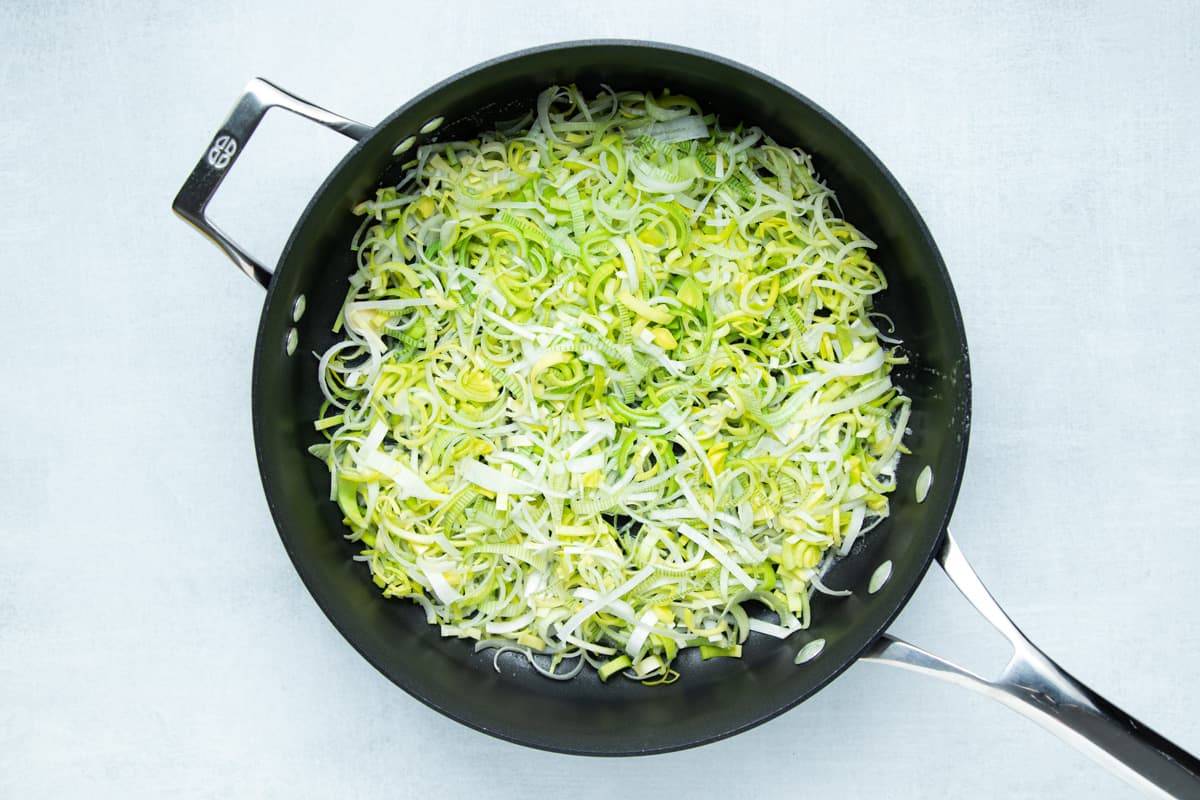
x=712, y=699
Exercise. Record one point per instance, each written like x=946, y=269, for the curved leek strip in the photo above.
x=609, y=382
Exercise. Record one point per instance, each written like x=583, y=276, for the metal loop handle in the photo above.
x=223, y=152
x=1034, y=686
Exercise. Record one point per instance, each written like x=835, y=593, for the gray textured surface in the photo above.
x=155, y=641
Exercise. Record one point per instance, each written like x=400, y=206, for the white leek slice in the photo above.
x=493, y=479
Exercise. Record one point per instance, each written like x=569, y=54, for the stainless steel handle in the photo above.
x=223, y=152
x=1034, y=686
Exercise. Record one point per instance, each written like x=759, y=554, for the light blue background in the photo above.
x=154, y=639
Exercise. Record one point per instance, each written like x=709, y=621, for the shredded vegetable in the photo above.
x=610, y=386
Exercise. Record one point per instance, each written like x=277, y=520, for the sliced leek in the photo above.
x=608, y=382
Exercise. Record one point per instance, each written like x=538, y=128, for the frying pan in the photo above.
x=712, y=699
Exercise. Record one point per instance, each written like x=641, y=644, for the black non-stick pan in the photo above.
x=712, y=699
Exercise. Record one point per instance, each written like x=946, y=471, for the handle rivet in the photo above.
x=879, y=577
x=810, y=651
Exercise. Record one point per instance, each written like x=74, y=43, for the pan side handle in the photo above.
x=1036, y=687
x=223, y=151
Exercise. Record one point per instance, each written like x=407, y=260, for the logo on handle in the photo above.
x=223, y=149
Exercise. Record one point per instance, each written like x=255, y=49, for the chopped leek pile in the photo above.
x=610, y=386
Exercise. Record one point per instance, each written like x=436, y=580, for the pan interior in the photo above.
x=711, y=699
